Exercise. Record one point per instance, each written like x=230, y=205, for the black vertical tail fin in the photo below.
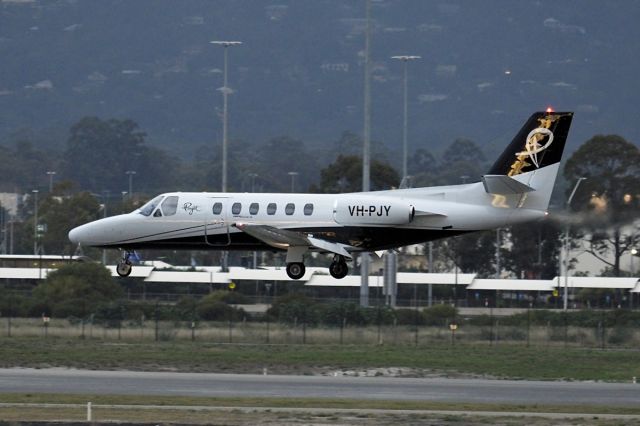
x=539, y=143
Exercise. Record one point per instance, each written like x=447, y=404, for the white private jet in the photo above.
x=516, y=189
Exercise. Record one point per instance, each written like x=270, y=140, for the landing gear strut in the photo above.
x=124, y=267
x=338, y=268
x=295, y=270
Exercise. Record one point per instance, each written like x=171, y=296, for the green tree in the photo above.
x=23, y=166
x=281, y=155
x=345, y=175
x=99, y=153
x=422, y=167
x=58, y=213
x=76, y=289
x=534, y=250
x=462, y=161
x=609, y=199
x=474, y=252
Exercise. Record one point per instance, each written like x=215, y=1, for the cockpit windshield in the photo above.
x=147, y=209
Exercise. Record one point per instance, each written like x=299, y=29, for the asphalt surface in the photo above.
x=25, y=380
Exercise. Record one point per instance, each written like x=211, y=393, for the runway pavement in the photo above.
x=25, y=380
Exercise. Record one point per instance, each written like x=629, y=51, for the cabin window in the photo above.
x=253, y=208
x=271, y=208
x=289, y=209
x=308, y=209
x=236, y=208
x=217, y=208
x=148, y=208
x=158, y=213
x=170, y=205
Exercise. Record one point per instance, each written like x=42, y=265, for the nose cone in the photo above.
x=75, y=235
x=103, y=232
x=85, y=234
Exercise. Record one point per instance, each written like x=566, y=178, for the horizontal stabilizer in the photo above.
x=504, y=185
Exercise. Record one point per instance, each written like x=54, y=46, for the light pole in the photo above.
x=124, y=193
x=565, y=301
x=366, y=147
x=130, y=173
x=405, y=59
x=105, y=198
x=253, y=177
x=51, y=174
x=35, y=221
x=293, y=181
x=225, y=93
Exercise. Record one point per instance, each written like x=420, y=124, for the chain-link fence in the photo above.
x=599, y=329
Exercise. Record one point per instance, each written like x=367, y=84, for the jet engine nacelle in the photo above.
x=372, y=211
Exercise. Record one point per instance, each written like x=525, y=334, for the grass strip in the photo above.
x=502, y=361
x=21, y=398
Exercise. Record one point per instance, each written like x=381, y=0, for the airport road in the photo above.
x=372, y=388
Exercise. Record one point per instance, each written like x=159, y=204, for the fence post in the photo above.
x=491, y=326
x=604, y=330
x=566, y=330
x=379, y=325
x=528, y=325
x=267, y=318
x=304, y=331
x=156, y=321
x=120, y=318
x=10, y=315
x=415, y=334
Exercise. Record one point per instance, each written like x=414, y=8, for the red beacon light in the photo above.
x=549, y=109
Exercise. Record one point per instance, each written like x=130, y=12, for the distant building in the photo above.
x=10, y=201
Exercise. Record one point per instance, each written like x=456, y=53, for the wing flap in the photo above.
x=283, y=239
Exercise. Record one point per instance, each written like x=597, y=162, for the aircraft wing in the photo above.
x=283, y=239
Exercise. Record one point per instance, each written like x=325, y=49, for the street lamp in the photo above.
x=293, y=180
x=130, y=173
x=225, y=93
x=253, y=177
x=366, y=148
x=35, y=222
x=51, y=174
x=565, y=301
x=405, y=59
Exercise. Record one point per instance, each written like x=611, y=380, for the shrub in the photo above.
x=438, y=314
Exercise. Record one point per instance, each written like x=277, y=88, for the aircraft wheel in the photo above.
x=295, y=270
x=339, y=269
x=124, y=268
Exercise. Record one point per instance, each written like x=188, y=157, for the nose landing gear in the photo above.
x=124, y=267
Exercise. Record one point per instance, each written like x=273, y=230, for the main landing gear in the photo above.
x=295, y=270
x=124, y=267
x=338, y=268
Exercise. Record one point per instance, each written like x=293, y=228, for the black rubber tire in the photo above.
x=124, y=269
x=295, y=270
x=339, y=270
